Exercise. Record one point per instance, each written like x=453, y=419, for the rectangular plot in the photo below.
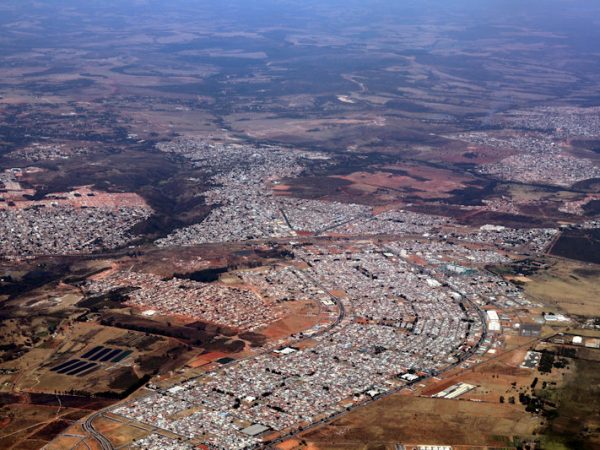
x=88, y=371
x=122, y=356
x=100, y=354
x=64, y=365
x=110, y=354
x=79, y=363
x=90, y=353
x=86, y=366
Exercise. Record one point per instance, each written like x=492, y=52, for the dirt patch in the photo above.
x=581, y=245
x=207, y=337
x=52, y=429
x=424, y=420
x=568, y=285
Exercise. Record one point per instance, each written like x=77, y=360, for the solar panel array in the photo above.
x=81, y=367
x=75, y=367
x=105, y=354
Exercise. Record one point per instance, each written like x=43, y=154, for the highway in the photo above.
x=88, y=427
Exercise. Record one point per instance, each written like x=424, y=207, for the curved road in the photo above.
x=105, y=444
x=88, y=427
x=466, y=355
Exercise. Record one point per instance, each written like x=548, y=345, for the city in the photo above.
x=299, y=225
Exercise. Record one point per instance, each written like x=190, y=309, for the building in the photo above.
x=530, y=329
x=255, y=430
x=493, y=321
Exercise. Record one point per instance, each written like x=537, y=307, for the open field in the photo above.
x=577, y=425
x=580, y=245
x=568, y=285
x=405, y=419
x=410, y=182
x=35, y=371
x=33, y=422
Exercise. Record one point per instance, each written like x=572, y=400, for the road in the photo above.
x=331, y=328
x=107, y=445
x=88, y=427
x=466, y=355
x=342, y=313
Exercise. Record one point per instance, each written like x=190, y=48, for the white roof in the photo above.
x=255, y=430
x=492, y=315
x=494, y=325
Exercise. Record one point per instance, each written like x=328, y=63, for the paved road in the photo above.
x=88, y=427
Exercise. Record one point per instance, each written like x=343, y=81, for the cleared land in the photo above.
x=568, y=285
x=399, y=419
